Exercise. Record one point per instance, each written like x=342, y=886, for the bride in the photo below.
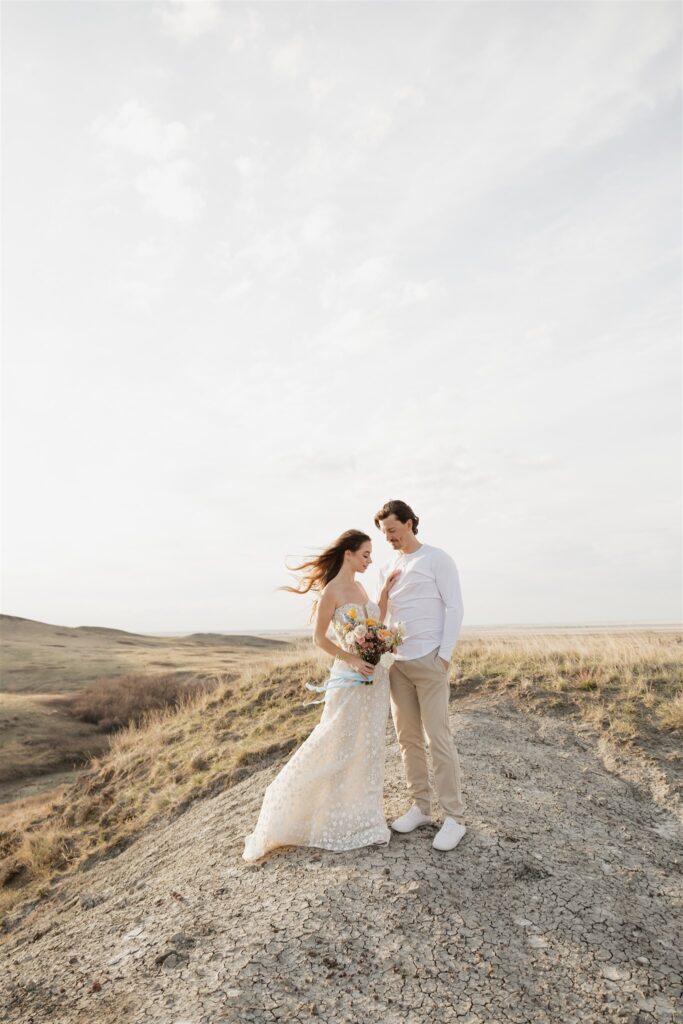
x=330, y=792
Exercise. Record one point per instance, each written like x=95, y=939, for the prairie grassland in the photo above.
x=627, y=684
x=64, y=688
x=39, y=657
x=157, y=765
x=626, y=687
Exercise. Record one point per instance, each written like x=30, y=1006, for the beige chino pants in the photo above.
x=419, y=690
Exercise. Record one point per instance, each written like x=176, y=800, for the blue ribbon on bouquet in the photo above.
x=339, y=680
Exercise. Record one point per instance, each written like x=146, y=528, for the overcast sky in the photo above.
x=269, y=265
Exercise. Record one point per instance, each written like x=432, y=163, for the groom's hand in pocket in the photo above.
x=446, y=664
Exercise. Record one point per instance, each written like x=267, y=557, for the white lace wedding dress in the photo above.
x=330, y=792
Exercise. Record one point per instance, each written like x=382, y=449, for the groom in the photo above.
x=426, y=597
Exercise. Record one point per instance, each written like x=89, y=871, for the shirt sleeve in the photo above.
x=448, y=584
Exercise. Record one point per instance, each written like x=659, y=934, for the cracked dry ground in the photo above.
x=562, y=902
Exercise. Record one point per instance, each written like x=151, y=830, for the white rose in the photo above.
x=359, y=632
x=387, y=659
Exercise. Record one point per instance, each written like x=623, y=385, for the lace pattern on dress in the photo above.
x=330, y=794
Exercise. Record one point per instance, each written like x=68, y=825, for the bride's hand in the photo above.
x=358, y=665
x=390, y=580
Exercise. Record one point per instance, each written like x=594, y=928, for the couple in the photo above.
x=330, y=792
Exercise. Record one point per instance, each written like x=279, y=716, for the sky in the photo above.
x=266, y=266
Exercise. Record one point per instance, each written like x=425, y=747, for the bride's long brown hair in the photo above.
x=324, y=567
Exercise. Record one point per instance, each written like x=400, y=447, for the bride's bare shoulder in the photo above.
x=337, y=594
x=330, y=594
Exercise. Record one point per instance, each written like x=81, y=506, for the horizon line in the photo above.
x=303, y=630
x=564, y=624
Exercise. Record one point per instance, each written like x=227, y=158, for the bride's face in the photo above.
x=361, y=559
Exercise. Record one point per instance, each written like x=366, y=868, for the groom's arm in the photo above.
x=448, y=584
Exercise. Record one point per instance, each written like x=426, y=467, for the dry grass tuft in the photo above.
x=115, y=703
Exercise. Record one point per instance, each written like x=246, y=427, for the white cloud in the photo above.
x=145, y=274
x=165, y=182
x=167, y=193
x=276, y=252
x=135, y=130
x=320, y=159
x=319, y=228
x=236, y=289
x=244, y=166
x=320, y=87
x=250, y=30
x=374, y=126
x=287, y=59
x=189, y=19
x=410, y=96
x=359, y=280
x=417, y=291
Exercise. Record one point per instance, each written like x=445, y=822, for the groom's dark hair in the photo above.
x=399, y=509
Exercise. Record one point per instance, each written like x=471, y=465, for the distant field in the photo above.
x=41, y=658
x=45, y=667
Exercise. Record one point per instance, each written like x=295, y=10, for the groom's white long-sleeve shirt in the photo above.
x=427, y=598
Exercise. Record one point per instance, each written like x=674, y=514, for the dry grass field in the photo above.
x=65, y=689
x=624, y=688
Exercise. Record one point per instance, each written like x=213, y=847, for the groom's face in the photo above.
x=396, y=532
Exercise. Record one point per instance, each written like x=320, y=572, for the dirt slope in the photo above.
x=562, y=901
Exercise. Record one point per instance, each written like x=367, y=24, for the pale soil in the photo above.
x=562, y=902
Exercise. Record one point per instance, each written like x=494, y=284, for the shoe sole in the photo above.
x=407, y=831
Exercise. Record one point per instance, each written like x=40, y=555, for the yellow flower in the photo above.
x=371, y=622
x=352, y=613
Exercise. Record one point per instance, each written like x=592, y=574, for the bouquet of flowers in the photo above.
x=371, y=640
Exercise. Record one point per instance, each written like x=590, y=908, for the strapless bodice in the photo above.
x=364, y=609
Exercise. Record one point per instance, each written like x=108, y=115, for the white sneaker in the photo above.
x=449, y=835
x=411, y=819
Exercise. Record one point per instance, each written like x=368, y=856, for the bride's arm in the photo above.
x=383, y=604
x=323, y=617
x=384, y=594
